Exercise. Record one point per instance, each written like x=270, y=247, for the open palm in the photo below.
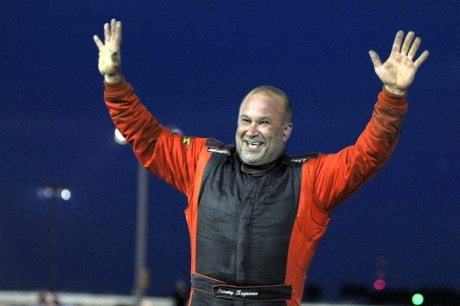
x=399, y=70
x=109, y=51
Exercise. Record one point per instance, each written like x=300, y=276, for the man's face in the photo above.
x=261, y=135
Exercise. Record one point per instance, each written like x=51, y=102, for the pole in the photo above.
x=140, y=272
x=54, y=237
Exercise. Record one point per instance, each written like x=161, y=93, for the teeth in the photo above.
x=253, y=144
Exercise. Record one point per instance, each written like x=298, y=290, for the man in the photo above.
x=256, y=215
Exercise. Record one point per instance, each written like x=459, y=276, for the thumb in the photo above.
x=375, y=58
x=98, y=42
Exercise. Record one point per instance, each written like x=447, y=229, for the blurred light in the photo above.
x=119, y=138
x=47, y=192
x=65, y=194
x=379, y=284
x=417, y=299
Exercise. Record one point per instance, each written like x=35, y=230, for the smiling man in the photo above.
x=263, y=126
x=255, y=214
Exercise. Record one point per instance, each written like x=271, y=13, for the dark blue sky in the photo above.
x=191, y=62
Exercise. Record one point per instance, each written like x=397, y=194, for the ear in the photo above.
x=287, y=131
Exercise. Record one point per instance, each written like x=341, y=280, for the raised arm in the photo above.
x=109, y=52
x=399, y=70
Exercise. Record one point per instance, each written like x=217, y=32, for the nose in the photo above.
x=253, y=130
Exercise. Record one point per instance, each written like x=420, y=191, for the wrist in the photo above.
x=395, y=91
x=114, y=78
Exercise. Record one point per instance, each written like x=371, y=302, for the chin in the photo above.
x=249, y=161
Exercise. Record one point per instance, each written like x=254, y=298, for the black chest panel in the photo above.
x=245, y=221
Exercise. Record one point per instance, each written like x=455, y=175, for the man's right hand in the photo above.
x=109, y=52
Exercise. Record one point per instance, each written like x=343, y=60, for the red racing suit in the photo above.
x=254, y=230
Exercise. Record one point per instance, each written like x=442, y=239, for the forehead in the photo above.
x=262, y=105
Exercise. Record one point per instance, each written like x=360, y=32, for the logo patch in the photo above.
x=186, y=141
x=299, y=160
x=220, y=151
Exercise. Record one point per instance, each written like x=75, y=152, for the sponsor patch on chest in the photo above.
x=299, y=159
x=220, y=151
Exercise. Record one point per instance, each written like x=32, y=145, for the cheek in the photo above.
x=268, y=133
x=240, y=131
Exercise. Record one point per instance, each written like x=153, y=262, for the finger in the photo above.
x=414, y=48
x=375, y=58
x=407, y=42
x=98, y=41
x=113, y=23
x=116, y=33
x=397, y=42
x=421, y=59
x=106, y=33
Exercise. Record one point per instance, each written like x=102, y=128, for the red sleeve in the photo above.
x=337, y=176
x=170, y=156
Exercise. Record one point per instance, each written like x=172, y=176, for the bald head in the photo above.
x=271, y=91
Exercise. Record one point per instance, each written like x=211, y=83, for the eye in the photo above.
x=265, y=122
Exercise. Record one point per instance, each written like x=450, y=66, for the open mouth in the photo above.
x=253, y=145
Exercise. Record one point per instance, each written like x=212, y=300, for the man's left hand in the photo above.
x=398, y=72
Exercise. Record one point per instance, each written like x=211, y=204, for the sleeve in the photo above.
x=170, y=156
x=337, y=176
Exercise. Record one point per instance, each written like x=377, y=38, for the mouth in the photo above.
x=253, y=145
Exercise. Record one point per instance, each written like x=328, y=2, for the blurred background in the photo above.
x=68, y=190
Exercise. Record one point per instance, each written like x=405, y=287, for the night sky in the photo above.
x=191, y=63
